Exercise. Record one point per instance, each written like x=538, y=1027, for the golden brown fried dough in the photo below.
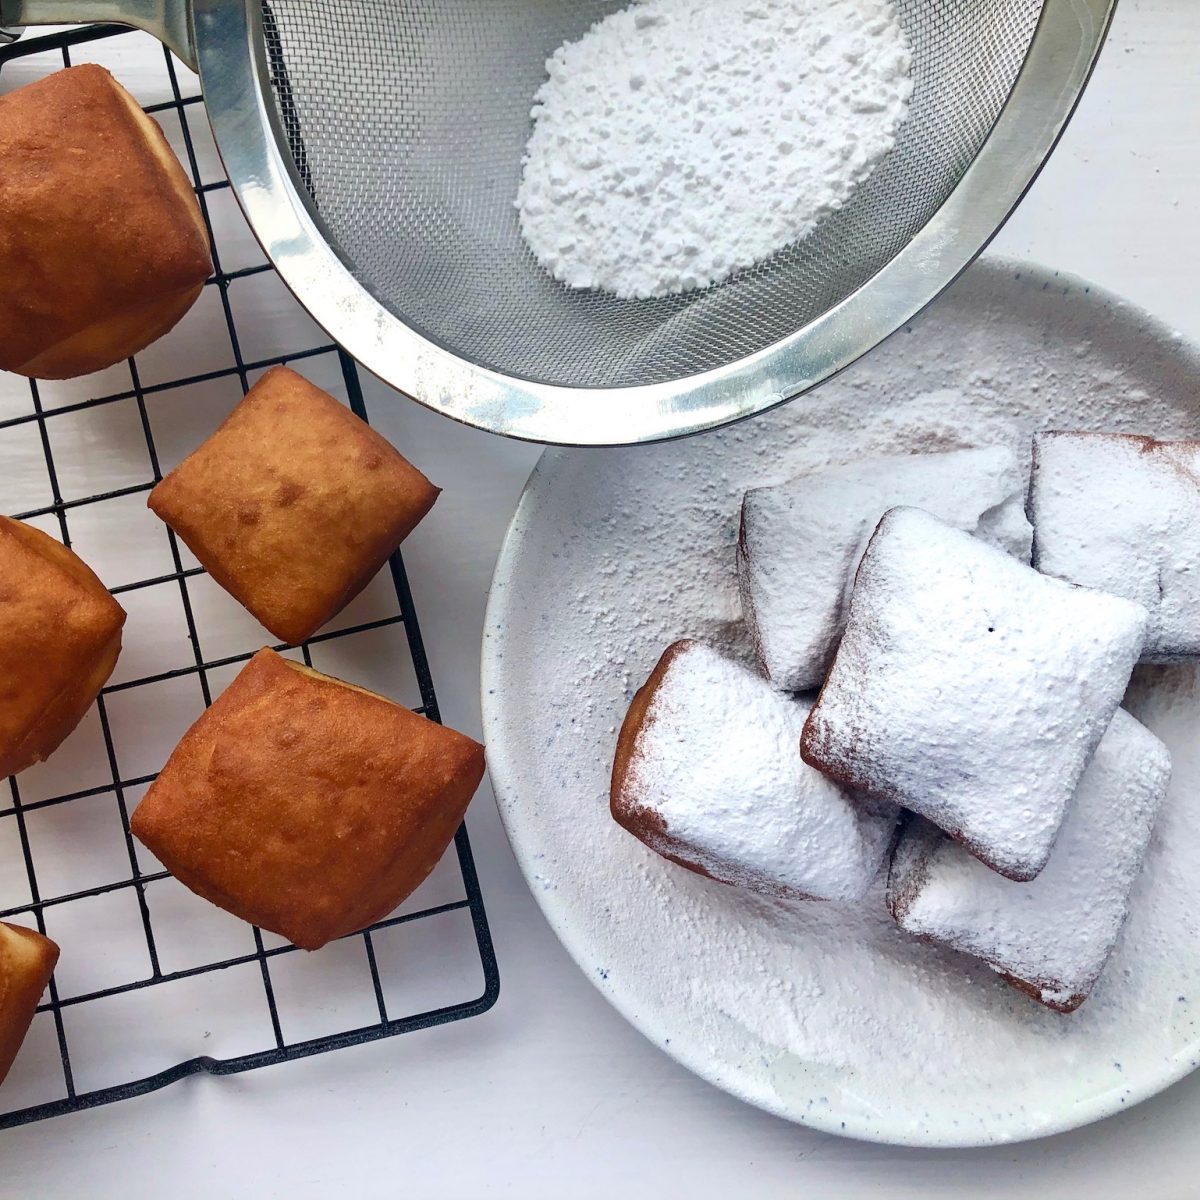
x=293, y=504
x=102, y=245
x=305, y=805
x=27, y=961
x=60, y=634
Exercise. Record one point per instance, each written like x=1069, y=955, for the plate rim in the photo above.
x=501, y=767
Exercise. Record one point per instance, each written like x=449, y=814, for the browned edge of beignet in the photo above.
x=646, y=825
x=51, y=727
x=27, y=960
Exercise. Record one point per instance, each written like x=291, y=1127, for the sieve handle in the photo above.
x=169, y=20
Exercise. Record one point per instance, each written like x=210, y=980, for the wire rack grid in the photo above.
x=281, y=1027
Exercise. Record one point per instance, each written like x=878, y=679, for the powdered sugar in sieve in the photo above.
x=678, y=141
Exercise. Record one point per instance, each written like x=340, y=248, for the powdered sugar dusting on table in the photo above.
x=718, y=761
x=680, y=140
x=829, y=1013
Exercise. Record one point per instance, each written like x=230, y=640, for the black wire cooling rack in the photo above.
x=388, y=1017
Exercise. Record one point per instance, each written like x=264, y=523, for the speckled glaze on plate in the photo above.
x=826, y=1014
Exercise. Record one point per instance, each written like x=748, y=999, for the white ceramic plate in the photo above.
x=824, y=1014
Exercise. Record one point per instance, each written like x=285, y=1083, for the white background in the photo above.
x=551, y=1093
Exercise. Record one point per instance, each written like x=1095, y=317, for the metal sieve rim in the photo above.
x=235, y=76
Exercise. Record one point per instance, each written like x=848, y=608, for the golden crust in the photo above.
x=624, y=804
x=27, y=961
x=60, y=634
x=102, y=244
x=293, y=504
x=305, y=805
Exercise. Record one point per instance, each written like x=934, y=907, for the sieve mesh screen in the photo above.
x=413, y=118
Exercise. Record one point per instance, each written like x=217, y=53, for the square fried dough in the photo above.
x=799, y=543
x=306, y=805
x=1051, y=936
x=708, y=774
x=970, y=689
x=102, y=244
x=293, y=504
x=1121, y=512
x=27, y=961
x=60, y=635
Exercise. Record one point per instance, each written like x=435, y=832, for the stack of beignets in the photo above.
x=970, y=689
x=977, y=693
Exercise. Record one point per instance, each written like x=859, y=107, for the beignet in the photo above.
x=708, y=774
x=1049, y=937
x=293, y=504
x=27, y=960
x=60, y=635
x=102, y=244
x=970, y=689
x=800, y=542
x=1122, y=513
x=306, y=805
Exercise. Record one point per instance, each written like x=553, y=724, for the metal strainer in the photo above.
x=375, y=146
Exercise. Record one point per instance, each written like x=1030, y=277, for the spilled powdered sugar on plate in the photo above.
x=823, y=1013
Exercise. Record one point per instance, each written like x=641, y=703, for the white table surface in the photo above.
x=551, y=1093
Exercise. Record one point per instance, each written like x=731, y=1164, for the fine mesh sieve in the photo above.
x=376, y=146
x=413, y=139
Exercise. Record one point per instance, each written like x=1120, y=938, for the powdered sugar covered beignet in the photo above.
x=970, y=689
x=708, y=774
x=1122, y=513
x=800, y=542
x=1051, y=936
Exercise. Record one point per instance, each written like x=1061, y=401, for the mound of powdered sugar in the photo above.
x=678, y=141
